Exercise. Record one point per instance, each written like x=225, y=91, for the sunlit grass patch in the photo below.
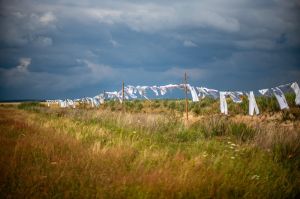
x=135, y=154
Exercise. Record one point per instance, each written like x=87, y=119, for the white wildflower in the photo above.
x=255, y=177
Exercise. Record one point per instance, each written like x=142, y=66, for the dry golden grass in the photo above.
x=54, y=153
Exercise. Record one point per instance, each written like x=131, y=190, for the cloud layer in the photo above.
x=82, y=47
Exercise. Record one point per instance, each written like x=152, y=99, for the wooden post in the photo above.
x=123, y=96
x=186, y=98
x=122, y=92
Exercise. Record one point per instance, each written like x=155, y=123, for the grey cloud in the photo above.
x=24, y=63
x=43, y=41
x=47, y=18
x=188, y=43
x=217, y=42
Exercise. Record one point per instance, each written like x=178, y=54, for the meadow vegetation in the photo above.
x=145, y=149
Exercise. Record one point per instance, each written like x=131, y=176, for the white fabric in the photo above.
x=223, y=103
x=96, y=102
x=131, y=91
x=203, y=92
x=142, y=91
x=193, y=93
x=155, y=89
x=296, y=89
x=70, y=103
x=62, y=104
x=112, y=95
x=100, y=98
x=265, y=92
x=285, y=88
x=90, y=101
x=252, y=104
x=164, y=89
x=236, y=96
x=280, y=98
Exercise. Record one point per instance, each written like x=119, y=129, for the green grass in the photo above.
x=146, y=150
x=206, y=106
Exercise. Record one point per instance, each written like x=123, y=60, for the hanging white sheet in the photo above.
x=236, y=96
x=280, y=98
x=296, y=89
x=252, y=104
x=203, y=92
x=223, y=103
x=195, y=97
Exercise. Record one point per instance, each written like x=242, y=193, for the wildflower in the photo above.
x=54, y=163
x=255, y=177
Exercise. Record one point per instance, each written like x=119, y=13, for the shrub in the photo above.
x=197, y=109
x=139, y=106
x=155, y=104
x=241, y=131
x=267, y=104
x=31, y=106
x=172, y=105
x=129, y=106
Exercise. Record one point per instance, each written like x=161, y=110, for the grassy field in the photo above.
x=147, y=150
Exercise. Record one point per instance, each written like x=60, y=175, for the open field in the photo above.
x=146, y=150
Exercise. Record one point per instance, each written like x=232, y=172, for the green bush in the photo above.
x=129, y=106
x=197, y=109
x=31, y=106
x=172, y=105
x=180, y=106
x=155, y=104
x=267, y=104
x=241, y=131
x=139, y=106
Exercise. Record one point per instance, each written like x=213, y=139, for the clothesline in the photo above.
x=197, y=93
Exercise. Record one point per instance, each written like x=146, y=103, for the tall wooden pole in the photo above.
x=122, y=95
x=186, y=98
x=122, y=92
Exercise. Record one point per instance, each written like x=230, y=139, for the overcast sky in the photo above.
x=76, y=48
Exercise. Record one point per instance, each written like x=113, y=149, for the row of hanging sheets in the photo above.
x=197, y=93
x=278, y=92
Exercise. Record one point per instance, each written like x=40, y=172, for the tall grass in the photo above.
x=147, y=153
x=206, y=106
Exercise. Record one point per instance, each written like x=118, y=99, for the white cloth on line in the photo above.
x=223, y=103
x=142, y=91
x=130, y=91
x=236, y=96
x=203, y=92
x=286, y=88
x=280, y=98
x=195, y=97
x=62, y=103
x=252, y=104
x=71, y=103
x=266, y=92
x=296, y=89
x=155, y=89
x=164, y=89
x=96, y=102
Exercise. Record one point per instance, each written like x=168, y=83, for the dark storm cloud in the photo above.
x=82, y=47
